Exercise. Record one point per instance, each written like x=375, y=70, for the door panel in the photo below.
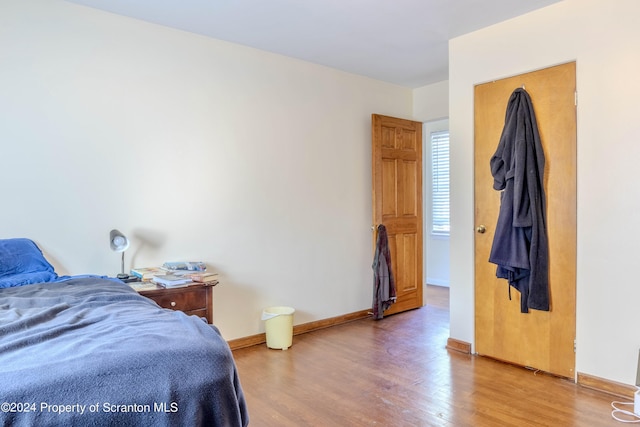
x=538, y=339
x=397, y=202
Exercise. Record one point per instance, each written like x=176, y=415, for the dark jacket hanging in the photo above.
x=384, y=285
x=520, y=246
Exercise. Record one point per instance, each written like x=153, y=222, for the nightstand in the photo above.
x=195, y=299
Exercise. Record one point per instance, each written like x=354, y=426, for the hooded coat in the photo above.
x=520, y=246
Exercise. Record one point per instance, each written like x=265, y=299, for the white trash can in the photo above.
x=278, y=326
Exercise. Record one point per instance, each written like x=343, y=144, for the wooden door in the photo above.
x=397, y=202
x=538, y=339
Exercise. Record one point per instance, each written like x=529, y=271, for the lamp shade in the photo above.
x=118, y=241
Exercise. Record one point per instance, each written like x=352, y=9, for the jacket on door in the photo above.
x=384, y=285
x=520, y=246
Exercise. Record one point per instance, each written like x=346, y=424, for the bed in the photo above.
x=88, y=350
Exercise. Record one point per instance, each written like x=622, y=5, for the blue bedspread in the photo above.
x=91, y=351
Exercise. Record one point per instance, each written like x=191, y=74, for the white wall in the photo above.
x=257, y=164
x=603, y=37
x=431, y=102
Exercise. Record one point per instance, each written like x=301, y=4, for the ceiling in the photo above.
x=398, y=41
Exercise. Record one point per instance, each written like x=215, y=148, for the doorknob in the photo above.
x=481, y=229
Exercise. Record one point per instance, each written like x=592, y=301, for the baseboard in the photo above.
x=300, y=329
x=457, y=345
x=607, y=386
x=247, y=341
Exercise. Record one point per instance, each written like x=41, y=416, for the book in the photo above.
x=183, y=285
x=171, y=280
x=185, y=265
x=203, y=277
x=142, y=286
x=147, y=273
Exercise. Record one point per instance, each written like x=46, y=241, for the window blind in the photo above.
x=440, y=182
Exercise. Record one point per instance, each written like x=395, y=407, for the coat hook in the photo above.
x=522, y=86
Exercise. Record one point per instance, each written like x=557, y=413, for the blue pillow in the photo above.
x=22, y=263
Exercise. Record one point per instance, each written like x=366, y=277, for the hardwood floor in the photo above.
x=397, y=372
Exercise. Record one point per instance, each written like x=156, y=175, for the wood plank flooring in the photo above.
x=397, y=372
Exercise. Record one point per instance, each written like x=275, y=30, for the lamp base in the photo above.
x=126, y=278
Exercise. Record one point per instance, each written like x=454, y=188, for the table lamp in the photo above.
x=119, y=243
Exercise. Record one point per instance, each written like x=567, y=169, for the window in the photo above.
x=440, y=183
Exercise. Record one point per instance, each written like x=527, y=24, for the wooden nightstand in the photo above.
x=194, y=299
